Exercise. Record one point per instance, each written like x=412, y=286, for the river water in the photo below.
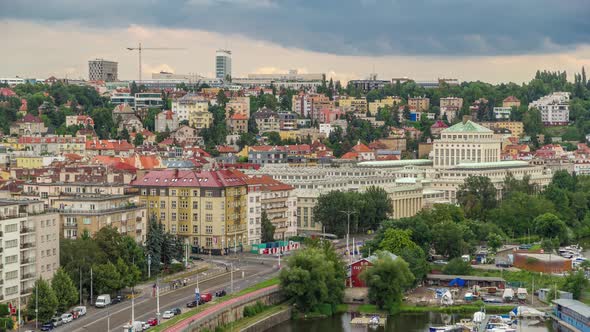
x=419, y=322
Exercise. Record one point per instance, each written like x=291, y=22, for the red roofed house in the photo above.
x=187, y=203
x=29, y=125
x=148, y=136
x=185, y=135
x=437, y=127
x=166, y=120
x=511, y=101
x=109, y=148
x=7, y=92
x=359, y=152
x=79, y=120
x=237, y=124
x=24, y=107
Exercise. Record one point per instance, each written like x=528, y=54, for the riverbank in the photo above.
x=408, y=308
x=269, y=317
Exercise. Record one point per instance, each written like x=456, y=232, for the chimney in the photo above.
x=466, y=118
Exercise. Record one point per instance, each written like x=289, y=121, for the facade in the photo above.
x=465, y=141
x=516, y=127
x=351, y=104
x=571, y=315
x=419, y=104
x=451, y=102
x=450, y=112
x=30, y=246
x=267, y=120
x=368, y=85
x=237, y=124
x=407, y=200
x=184, y=106
x=102, y=70
x=390, y=102
x=79, y=120
x=309, y=105
x=109, y=147
x=29, y=125
x=356, y=268
x=200, y=119
x=502, y=113
x=91, y=212
x=554, y=108
x=185, y=135
x=148, y=100
x=207, y=209
x=254, y=217
x=222, y=64
x=511, y=101
x=166, y=120
x=53, y=145
x=239, y=105
x=265, y=154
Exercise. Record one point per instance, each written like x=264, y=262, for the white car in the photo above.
x=145, y=325
x=66, y=318
x=167, y=314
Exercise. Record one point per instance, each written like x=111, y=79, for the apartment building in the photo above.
x=207, y=209
x=502, y=113
x=389, y=101
x=254, y=217
x=351, y=104
x=237, y=105
x=48, y=191
x=267, y=120
x=102, y=70
x=30, y=248
x=516, y=127
x=188, y=104
x=451, y=102
x=166, y=120
x=419, y=104
x=53, y=144
x=309, y=105
x=554, y=108
x=200, y=119
x=511, y=101
x=91, y=212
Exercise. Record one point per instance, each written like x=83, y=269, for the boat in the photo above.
x=479, y=317
x=508, y=294
x=447, y=328
x=499, y=327
x=527, y=312
x=522, y=294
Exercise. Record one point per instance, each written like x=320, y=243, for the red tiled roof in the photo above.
x=511, y=99
x=7, y=92
x=360, y=147
x=30, y=118
x=439, y=124
x=189, y=178
x=109, y=145
x=239, y=116
x=350, y=156
x=262, y=182
x=226, y=149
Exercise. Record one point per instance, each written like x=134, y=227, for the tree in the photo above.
x=387, y=279
x=312, y=278
x=495, y=241
x=549, y=225
x=130, y=274
x=457, y=266
x=448, y=239
x=268, y=229
x=64, y=289
x=477, y=196
x=107, y=279
x=575, y=283
x=45, y=299
x=222, y=98
x=138, y=139
x=153, y=243
x=394, y=240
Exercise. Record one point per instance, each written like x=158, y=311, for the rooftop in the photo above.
x=396, y=163
x=494, y=164
x=468, y=278
x=467, y=127
x=574, y=305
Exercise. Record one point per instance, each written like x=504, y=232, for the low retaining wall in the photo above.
x=229, y=311
x=268, y=322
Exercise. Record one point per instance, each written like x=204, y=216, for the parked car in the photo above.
x=196, y=258
x=220, y=293
x=176, y=311
x=167, y=314
x=117, y=299
x=47, y=326
x=74, y=314
x=153, y=321
x=440, y=262
x=57, y=321
x=103, y=301
x=206, y=297
x=81, y=310
x=66, y=318
x=145, y=325
x=193, y=303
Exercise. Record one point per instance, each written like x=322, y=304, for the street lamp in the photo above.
x=348, y=213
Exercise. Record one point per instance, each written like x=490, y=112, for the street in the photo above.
x=145, y=305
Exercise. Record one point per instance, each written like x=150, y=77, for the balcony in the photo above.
x=26, y=230
x=1, y=234
x=27, y=276
x=70, y=225
x=28, y=260
x=128, y=207
x=26, y=291
x=27, y=245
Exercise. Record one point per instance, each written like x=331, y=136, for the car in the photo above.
x=57, y=321
x=206, y=297
x=66, y=318
x=117, y=299
x=167, y=314
x=145, y=325
x=220, y=293
x=153, y=321
x=176, y=311
x=75, y=314
x=47, y=326
x=440, y=262
x=81, y=310
x=196, y=258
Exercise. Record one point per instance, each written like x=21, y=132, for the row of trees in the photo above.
x=48, y=298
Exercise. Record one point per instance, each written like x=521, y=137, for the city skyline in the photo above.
x=509, y=43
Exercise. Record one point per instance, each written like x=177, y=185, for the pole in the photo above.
x=133, y=302
x=108, y=319
x=91, y=297
x=37, y=306
x=18, y=308
x=80, y=285
x=139, y=63
x=158, y=300
x=231, y=266
x=533, y=292
x=149, y=266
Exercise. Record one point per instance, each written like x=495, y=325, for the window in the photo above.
x=12, y=274
x=195, y=229
x=11, y=259
x=183, y=216
x=208, y=217
x=208, y=193
x=209, y=229
x=209, y=242
x=53, y=251
x=209, y=205
x=184, y=204
x=151, y=204
x=10, y=244
x=162, y=216
x=11, y=228
x=173, y=192
x=153, y=192
x=162, y=204
x=11, y=290
x=195, y=205
x=87, y=221
x=173, y=229
x=184, y=228
x=174, y=204
x=173, y=216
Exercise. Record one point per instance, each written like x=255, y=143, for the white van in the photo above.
x=103, y=301
x=81, y=310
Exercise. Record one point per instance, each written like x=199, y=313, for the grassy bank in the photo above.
x=456, y=309
x=176, y=319
x=247, y=321
x=525, y=277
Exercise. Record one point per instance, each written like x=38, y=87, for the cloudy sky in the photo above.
x=489, y=40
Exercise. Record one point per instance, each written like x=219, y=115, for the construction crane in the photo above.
x=139, y=49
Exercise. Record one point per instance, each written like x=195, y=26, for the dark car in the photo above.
x=193, y=304
x=117, y=299
x=48, y=326
x=153, y=321
x=176, y=311
x=220, y=293
x=196, y=258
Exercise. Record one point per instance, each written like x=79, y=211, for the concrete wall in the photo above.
x=233, y=312
x=269, y=322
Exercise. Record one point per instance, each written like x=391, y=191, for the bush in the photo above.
x=457, y=266
x=175, y=268
x=324, y=309
x=255, y=309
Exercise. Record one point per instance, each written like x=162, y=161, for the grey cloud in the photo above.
x=351, y=27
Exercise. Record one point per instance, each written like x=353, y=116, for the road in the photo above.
x=96, y=320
